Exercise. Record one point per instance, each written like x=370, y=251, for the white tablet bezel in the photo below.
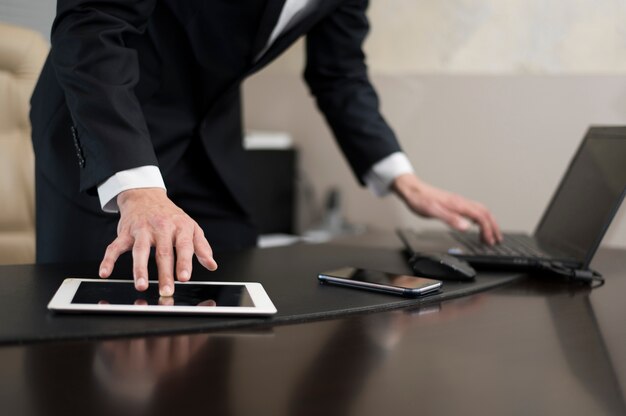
x=62, y=301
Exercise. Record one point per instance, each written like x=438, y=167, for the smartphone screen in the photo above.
x=381, y=281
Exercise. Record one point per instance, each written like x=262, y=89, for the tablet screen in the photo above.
x=188, y=294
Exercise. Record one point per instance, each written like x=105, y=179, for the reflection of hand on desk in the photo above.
x=131, y=369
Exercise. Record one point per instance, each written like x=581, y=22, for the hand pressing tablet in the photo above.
x=120, y=296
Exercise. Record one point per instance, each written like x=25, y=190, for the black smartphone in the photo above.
x=398, y=284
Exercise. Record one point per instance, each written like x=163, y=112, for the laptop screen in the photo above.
x=589, y=195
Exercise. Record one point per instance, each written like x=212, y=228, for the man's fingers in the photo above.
x=141, y=254
x=453, y=209
x=166, y=301
x=481, y=216
x=496, y=228
x=458, y=213
x=203, y=249
x=165, y=265
x=119, y=246
x=180, y=351
x=456, y=221
x=184, y=255
x=449, y=216
x=153, y=220
x=486, y=230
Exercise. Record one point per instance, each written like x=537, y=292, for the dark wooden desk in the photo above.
x=530, y=348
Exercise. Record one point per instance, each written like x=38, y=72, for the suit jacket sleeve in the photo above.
x=98, y=74
x=336, y=73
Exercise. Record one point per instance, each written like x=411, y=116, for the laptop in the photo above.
x=572, y=226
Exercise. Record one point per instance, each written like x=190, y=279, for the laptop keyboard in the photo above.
x=512, y=246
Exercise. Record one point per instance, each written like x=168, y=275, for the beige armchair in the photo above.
x=22, y=53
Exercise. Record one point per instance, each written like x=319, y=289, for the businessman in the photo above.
x=137, y=127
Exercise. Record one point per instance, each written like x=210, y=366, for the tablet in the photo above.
x=110, y=296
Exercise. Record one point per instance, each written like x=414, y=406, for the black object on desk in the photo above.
x=271, y=180
x=441, y=266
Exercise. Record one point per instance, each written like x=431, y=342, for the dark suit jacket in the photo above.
x=131, y=82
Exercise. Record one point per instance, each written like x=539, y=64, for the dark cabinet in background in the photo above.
x=272, y=181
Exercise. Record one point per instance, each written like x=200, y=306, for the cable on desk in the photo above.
x=586, y=276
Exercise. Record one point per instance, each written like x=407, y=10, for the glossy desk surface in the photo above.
x=532, y=347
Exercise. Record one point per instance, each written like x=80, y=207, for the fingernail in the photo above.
x=166, y=291
x=184, y=275
x=209, y=263
x=142, y=282
x=103, y=271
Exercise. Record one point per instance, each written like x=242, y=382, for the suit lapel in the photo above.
x=322, y=8
x=268, y=22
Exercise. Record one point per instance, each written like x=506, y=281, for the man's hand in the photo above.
x=148, y=218
x=454, y=210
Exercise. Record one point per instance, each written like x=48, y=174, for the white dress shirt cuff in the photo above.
x=379, y=178
x=141, y=177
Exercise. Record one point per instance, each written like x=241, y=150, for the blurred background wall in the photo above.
x=489, y=98
x=34, y=14
x=493, y=37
